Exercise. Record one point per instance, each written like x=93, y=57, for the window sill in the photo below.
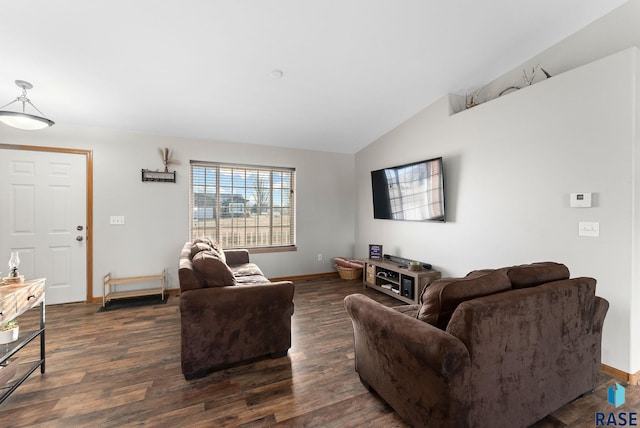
x=258, y=250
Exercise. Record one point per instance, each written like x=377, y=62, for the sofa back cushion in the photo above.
x=204, y=240
x=441, y=298
x=212, y=270
x=534, y=274
x=196, y=247
x=216, y=248
x=199, y=245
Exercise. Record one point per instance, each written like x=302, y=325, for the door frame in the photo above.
x=89, y=178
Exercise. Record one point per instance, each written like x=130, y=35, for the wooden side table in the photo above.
x=15, y=300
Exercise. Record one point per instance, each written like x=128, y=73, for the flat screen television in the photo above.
x=413, y=191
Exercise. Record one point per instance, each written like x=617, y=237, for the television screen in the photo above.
x=409, y=192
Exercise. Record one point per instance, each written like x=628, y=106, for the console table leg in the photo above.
x=42, y=341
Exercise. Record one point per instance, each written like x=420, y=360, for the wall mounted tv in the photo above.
x=413, y=191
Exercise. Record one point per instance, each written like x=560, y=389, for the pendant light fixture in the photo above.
x=24, y=120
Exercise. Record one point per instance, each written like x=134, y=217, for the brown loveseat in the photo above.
x=229, y=311
x=498, y=348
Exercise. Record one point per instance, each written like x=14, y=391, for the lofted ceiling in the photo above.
x=351, y=70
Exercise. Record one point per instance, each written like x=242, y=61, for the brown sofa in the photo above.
x=498, y=348
x=229, y=311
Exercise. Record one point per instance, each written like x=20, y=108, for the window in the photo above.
x=243, y=206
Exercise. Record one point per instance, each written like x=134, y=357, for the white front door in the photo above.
x=43, y=216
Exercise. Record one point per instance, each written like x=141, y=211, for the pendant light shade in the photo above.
x=24, y=120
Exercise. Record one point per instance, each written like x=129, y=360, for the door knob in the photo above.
x=78, y=238
x=79, y=228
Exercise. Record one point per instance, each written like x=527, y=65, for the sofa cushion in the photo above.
x=534, y=274
x=196, y=247
x=204, y=240
x=202, y=244
x=246, y=269
x=479, y=272
x=252, y=279
x=213, y=271
x=441, y=298
x=217, y=248
x=410, y=310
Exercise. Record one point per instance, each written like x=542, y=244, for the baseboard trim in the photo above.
x=631, y=379
x=98, y=299
x=306, y=277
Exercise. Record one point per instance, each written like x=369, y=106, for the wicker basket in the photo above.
x=349, y=273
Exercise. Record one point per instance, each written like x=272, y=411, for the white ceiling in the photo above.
x=353, y=69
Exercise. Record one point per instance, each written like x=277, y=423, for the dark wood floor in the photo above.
x=122, y=369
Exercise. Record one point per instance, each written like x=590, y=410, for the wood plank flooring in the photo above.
x=122, y=369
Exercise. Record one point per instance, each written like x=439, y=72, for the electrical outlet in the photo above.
x=116, y=219
x=320, y=257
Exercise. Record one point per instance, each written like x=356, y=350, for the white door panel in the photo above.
x=46, y=195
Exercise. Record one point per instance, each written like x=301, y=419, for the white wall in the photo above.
x=634, y=298
x=510, y=165
x=157, y=219
x=614, y=32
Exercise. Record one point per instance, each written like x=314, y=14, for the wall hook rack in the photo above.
x=165, y=176
x=159, y=176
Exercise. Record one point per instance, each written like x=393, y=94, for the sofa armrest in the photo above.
x=288, y=285
x=387, y=330
x=602, y=306
x=223, y=325
x=420, y=370
x=236, y=256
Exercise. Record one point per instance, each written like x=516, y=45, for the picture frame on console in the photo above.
x=375, y=251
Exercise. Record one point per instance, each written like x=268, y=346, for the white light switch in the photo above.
x=116, y=219
x=589, y=228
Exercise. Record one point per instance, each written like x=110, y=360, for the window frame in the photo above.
x=233, y=191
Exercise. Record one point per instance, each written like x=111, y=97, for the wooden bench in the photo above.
x=109, y=283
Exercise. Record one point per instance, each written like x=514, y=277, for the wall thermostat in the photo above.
x=580, y=200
